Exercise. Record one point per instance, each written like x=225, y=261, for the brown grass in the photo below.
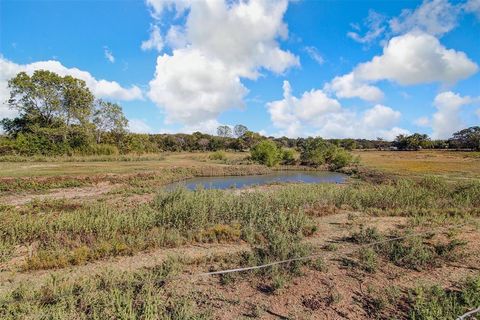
x=449, y=164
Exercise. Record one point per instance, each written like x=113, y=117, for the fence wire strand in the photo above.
x=318, y=255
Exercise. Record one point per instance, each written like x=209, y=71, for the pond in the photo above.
x=227, y=182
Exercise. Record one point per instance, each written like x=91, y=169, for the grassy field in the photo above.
x=94, y=165
x=447, y=164
x=121, y=247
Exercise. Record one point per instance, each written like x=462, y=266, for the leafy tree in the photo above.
x=415, y=142
x=266, y=152
x=224, y=131
x=348, y=144
x=109, y=117
x=48, y=100
x=240, y=130
x=250, y=138
x=467, y=138
x=316, y=151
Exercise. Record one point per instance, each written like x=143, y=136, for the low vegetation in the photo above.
x=181, y=216
x=434, y=302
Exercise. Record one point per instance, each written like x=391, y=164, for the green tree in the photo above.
x=109, y=117
x=316, y=151
x=48, y=100
x=266, y=152
x=414, y=142
x=224, y=131
x=467, y=138
x=240, y=130
x=54, y=111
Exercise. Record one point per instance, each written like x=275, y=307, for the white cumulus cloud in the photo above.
x=191, y=87
x=415, y=58
x=410, y=59
x=349, y=86
x=100, y=88
x=220, y=43
x=447, y=119
x=314, y=113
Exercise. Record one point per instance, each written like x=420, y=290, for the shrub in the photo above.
x=368, y=259
x=316, y=152
x=267, y=153
x=288, y=156
x=437, y=303
x=218, y=155
x=365, y=236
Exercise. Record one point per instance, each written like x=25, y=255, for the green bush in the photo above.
x=288, y=156
x=436, y=303
x=218, y=155
x=317, y=152
x=267, y=153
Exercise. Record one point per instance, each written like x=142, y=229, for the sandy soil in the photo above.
x=63, y=193
x=338, y=293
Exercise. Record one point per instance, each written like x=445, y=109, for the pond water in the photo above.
x=245, y=181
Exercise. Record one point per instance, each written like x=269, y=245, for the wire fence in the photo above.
x=469, y=314
x=195, y=276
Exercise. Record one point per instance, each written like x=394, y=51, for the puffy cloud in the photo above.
x=139, y=126
x=375, y=24
x=209, y=126
x=291, y=113
x=176, y=37
x=314, y=54
x=415, y=58
x=220, y=43
x=155, y=41
x=447, y=119
x=410, y=59
x=349, y=86
x=192, y=87
x=314, y=113
x=435, y=17
x=100, y=88
x=108, y=54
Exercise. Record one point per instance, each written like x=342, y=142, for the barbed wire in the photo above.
x=318, y=255
x=310, y=257
x=469, y=314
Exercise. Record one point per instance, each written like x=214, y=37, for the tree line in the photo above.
x=60, y=116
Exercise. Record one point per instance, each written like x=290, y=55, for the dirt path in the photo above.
x=63, y=193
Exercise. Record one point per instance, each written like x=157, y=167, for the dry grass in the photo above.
x=46, y=167
x=448, y=164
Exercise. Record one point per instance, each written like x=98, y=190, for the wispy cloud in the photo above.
x=315, y=54
x=108, y=54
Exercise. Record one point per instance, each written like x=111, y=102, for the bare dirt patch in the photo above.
x=62, y=193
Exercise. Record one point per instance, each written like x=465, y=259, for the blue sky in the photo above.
x=361, y=69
